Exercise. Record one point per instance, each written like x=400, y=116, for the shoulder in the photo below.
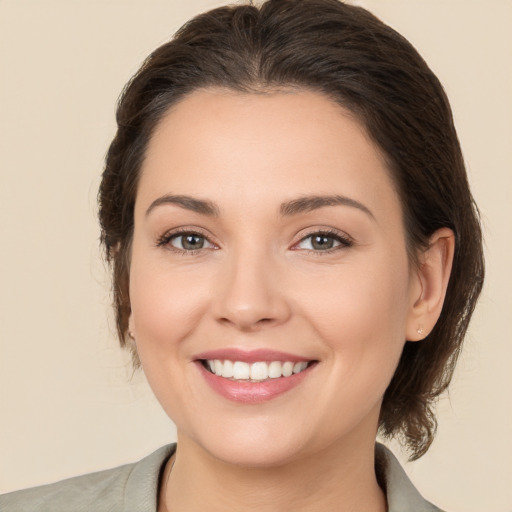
x=401, y=494
x=124, y=488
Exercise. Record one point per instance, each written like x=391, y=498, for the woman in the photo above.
x=296, y=256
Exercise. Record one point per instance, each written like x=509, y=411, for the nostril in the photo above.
x=246, y=324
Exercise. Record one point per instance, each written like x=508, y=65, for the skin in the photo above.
x=258, y=282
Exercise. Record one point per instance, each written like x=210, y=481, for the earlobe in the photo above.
x=433, y=275
x=131, y=329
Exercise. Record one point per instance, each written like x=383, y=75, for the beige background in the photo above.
x=68, y=400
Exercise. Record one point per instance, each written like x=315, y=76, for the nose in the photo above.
x=250, y=295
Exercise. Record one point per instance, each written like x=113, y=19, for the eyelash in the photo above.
x=344, y=241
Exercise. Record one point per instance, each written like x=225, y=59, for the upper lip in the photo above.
x=250, y=356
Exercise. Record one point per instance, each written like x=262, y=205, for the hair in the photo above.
x=347, y=54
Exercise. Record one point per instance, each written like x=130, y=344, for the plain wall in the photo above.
x=69, y=402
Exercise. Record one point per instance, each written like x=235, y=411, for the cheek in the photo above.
x=362, y=325
x=166, y=303
x=365, y=297
x=362, y=316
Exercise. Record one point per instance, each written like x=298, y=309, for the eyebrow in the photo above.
x=189, y=203
x=310, y=203
x=287, y=209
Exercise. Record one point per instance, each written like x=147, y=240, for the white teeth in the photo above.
x=227, y=369
x=287, y=369
x=299, y=367
x=259, y=371
x=241, y=370
x=275, y=369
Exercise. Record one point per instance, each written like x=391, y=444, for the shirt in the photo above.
x=134, y=488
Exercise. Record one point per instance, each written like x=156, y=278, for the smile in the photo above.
x=254, y=372
x=253, y=377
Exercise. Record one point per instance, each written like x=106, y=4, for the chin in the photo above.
x=252, y=447
x=255, y=455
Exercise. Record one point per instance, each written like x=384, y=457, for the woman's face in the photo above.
x=268, y=234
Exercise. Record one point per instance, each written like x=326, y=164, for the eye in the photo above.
x=323, y=241
x=188, y=241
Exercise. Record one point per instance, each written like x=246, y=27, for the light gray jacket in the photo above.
x=134, y=488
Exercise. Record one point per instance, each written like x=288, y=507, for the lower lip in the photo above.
x=252, y=392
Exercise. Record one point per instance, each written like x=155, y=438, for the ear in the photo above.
x=131, y=327
x=431, y=281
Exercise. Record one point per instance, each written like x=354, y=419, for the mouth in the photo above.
x=253, y=377
x=257, y=371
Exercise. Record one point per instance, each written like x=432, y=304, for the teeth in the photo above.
x=299, y=367
x=227, y=369
x=287, y=369
x=275, y=369
x=259, y=371
x=239, y=370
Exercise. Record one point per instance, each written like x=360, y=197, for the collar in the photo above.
x=143, y=482
x=401, y=494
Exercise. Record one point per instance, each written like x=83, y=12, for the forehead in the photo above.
x=249, y=148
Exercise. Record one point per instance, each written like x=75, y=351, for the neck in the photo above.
x=339, y=478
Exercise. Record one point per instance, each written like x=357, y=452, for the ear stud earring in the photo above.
x=130, y=335
x=420, y=330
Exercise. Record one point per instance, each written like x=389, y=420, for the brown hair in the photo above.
x=348, y=54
